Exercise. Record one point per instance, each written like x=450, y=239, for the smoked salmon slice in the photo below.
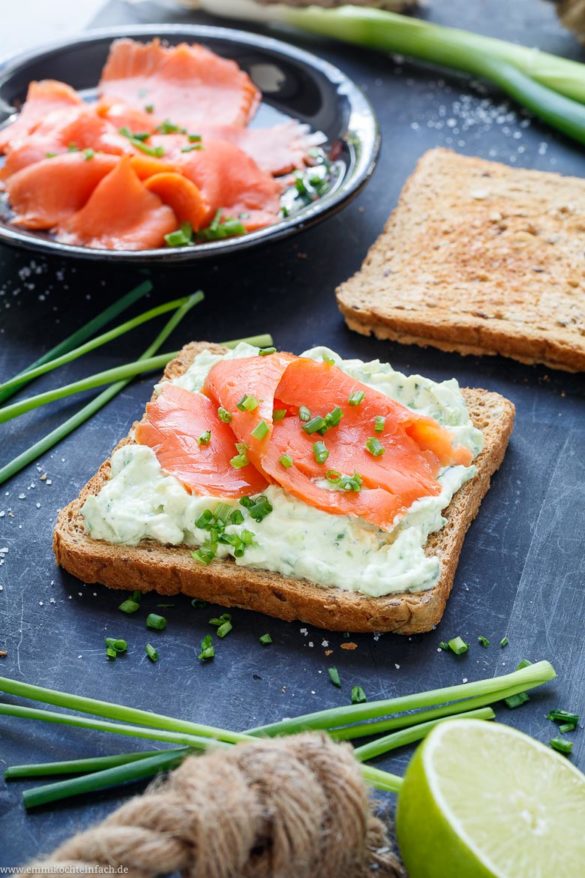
x=347, y=448
x=46, y=194
x=181, y=195
x=232, y=182
x=77, y=128
x=41, y=99
x=121, y=214
x=176, y=428
x=189, y=85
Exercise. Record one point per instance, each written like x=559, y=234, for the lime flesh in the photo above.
x=482, y=800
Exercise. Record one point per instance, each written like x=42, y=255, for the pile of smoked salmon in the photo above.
x=324, y=437
x=164, y=157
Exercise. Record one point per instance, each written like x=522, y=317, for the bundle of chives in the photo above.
x=77, y=338
x=196, y=736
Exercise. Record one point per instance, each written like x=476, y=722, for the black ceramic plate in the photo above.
x=293, y=83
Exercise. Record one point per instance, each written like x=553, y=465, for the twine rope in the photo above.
x=286, y=808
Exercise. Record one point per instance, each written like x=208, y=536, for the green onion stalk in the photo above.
x=549, y=86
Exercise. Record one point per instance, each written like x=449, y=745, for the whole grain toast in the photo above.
x=171, y=570
x=478, y=258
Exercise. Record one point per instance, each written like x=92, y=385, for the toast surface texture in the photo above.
x=478, y=258
x=171, y=570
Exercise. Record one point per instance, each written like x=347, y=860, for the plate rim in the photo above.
x=360, y=110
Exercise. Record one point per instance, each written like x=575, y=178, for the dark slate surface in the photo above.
x=522, y=568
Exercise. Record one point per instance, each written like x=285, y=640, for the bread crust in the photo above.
x=478, y=258
x=171, y=570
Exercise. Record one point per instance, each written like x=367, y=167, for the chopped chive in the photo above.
x=194, y=138
x=111, y=653
x=314, y=425
x=224, y=629
x=72, y=147
x=333, y=418
x=265, y=352
x=131, y=605
x=50, y=155
x=304, y=413
x=561, y=746
x=261, y=430
x=219, y=620
x=205, y=520
x=149, y=108
x=343, y=482
x=156, y=622
x=116, y=643
x=236, y=516
x=334, y=676
x=141, y=136
x=205, y=438
x=192, y=148
x=156, y=152
x=458, y=645
x=374, y=447
x=205, y=554
x=356, y=397
x=151, y=652
x=358, y=696
x=444, y=646
x=278, y=415
x=483, y=641
x=168, y=127
x=206, y=650
x=379, y=424
x=563, y=716
x=198, y=603
x=504, y=642
x=285, y=460
x=258, y=508
x=88, y=154
x=265, y=639
x=320, y=452
x=567, y=727
x=248, y=403
x=523, y=663
x=329, y=361
x=179, y=238
x=517, y=700
x=240, y=460
x=223, y=415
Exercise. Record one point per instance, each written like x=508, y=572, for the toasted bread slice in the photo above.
x=478, y=258
x=171, y=570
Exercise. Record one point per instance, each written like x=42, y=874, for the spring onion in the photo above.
x=131, y=605
x=286, y=461
x=261, y=430
x=156, y=622
x=223, y=415
x=504, y=642
x=458, y=645
x=152, y=652
x=483, y=641
x=379, y=424
x=514, y=701
x=374, y=447
x=76, y=766
x=563, y=716
x=549, y=86
x=204, y=438
x=358, y=695
x=248, y=403
x=314, y=425
x=304, y=413
x=206, y=650
x=356, y=397
x=265, y=639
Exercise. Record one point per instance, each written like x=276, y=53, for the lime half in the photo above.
x=482, y=800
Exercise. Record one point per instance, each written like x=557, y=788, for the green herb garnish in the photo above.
x=517, y=700
x=151, y=652
x=561, y=746
x=206, y=650
x=156, y=622
x=205, y=438
x=261, y=430
x=458, y=645
x=248, y=403
x=315, y=425
x=224, y=415
x=343, y=482
x=304, y=413
x=358, y=696
x=334, y=676
x=320, y=452
x=504, y=642
x=265, y=639
x=286, y=461
x=483, y=641
x=356, y=397
x=379, y=424
x=240, y=460
x=131, y=605
x=374, y=447
x=258, y=508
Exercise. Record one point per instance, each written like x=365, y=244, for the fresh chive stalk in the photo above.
x=84, y=414
x=77, y=766
x=51, y=439
x=494, y=687
x=79, y=336
x=408, y=736
x=104, y=779
x=14, y=383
